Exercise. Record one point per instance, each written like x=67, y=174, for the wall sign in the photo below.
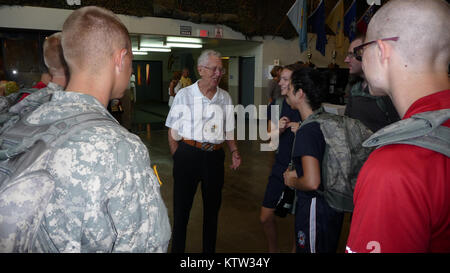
x=186, y=30
x=203, y=33
x=218, y=32
x=73, y=2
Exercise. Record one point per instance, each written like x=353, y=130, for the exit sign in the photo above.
x=203, y=33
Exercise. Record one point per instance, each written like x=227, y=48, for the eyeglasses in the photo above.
x=351, y=55
x=359, y=50
x=215, y=69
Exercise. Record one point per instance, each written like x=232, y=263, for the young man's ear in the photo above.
x=384, y=52
x=120, y=59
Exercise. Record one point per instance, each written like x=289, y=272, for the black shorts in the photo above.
x=317, y=225
x=275, y=187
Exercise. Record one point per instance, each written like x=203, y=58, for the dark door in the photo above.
x=187, y=61
x=246, y=80
x=224, y=80
x=148, y=80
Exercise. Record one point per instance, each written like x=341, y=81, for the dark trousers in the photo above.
x=190, y=166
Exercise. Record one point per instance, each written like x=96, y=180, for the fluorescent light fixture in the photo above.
x=184, y=40
x=184, y=45
x=139, y=53
x=153, y=49
x=154, y=44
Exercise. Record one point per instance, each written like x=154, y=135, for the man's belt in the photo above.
x=203, y=145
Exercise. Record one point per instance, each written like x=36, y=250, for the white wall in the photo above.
x=288, y=52
x=32, y=17
x=246, y=49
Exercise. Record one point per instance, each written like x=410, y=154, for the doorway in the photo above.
x=148, y=81
x=246, y=80
x=224, y=80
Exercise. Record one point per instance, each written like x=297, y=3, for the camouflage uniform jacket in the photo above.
x=107, y=197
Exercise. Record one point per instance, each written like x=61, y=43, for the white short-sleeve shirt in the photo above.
x=196, y=117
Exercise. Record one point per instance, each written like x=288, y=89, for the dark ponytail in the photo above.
x=313, y=83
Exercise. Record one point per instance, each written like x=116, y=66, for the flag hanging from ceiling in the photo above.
x=365, y=19
x=317, y=21
x=350, y=22
x=335, y=21
x=297, y=16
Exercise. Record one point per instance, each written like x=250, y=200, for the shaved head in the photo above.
x=415, y=65
x=53, y=55
x=423, y=27
x=90, y=37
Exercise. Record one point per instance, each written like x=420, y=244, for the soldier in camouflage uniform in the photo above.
x=106, y=196
x=26, y=100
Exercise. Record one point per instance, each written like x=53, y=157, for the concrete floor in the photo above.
x=239, y=228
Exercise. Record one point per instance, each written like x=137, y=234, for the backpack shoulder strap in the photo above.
x=438, y=141
x=17, y=110
x=423, y=130
x=18, y=94
x=27, y=90
x=23, y=135
x=316, y=116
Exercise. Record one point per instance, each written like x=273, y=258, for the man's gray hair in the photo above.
x=204, y=57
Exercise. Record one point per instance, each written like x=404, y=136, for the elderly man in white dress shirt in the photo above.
x=200, y=121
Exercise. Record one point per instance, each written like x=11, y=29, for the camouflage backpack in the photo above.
x=26, y=185
x=12, y=110
x=7, y=101
x=424, y=130
x=343, y=158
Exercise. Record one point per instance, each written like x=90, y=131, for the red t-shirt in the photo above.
x=39, y=85
x=402, y=196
